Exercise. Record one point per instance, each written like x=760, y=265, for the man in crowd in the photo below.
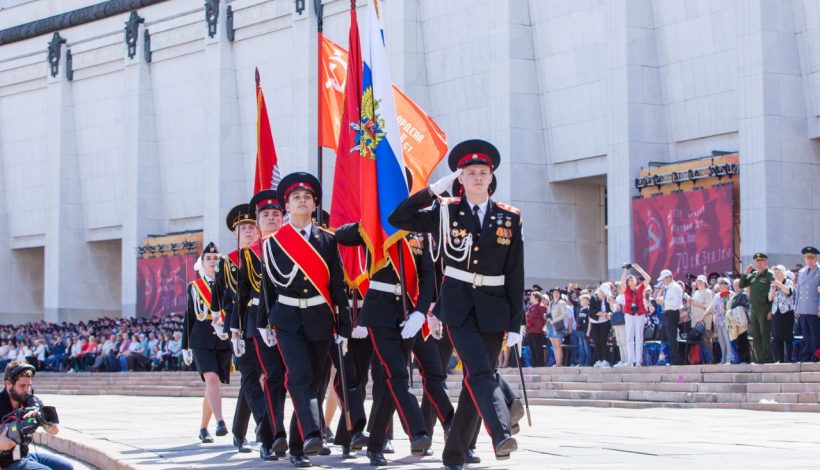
x=671, y=298
x=808, y=304
x=759, y=281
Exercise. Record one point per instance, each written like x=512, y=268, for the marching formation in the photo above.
x=280, y=301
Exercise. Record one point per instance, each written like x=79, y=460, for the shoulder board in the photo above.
x=322, y=229
x=450, y=200
x=508, y=207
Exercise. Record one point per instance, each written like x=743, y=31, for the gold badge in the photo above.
x=508, y=224
x=462, y=232
x=454, y=232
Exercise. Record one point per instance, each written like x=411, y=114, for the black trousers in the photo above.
x=379, y=376
x=305, y=363
x=273, y=370
x=670, y=328
x=479, y=356
x=536, y=342
x=241, y=416
x=394, y=354
x=810, y=326
x=783, y=336
x=433, y=370
x=355, y=396
x=600, y=335
x=251, y=388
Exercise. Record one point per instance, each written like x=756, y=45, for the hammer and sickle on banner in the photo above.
x=336, y=62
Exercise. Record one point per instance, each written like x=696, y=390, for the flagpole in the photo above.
x=317, y=6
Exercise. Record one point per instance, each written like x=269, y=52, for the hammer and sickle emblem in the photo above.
x=336, y=67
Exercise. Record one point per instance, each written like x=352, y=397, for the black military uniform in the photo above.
x=382, y=314
x=481, y=297
x=306, y=276
x=224, y=299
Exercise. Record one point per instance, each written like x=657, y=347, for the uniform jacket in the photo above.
x=249, y=286
x=497, y=308
x=758, y=284
x=225, y=285
x=384, y=308
x=808, y=299
x=200, y=334
x=318, y=321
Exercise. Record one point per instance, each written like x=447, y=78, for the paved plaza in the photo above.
x=160, y=433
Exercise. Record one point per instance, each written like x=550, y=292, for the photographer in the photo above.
x=18, y=394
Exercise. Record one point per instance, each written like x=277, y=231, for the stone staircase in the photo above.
x=772, y=387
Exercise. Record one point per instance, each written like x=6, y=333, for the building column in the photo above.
x=636, y=133
x=305, y=94
x=224, y=168
x=143, y=195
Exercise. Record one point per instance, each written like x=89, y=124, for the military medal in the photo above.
x=454, y=232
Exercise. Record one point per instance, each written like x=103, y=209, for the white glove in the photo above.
x=187, y=357
x=267, y=336
x=444, y=183
x=359, y=332
x=219, y=329
x=513, y=339
x=238, y=347
x=412, y=325
x=341, y=340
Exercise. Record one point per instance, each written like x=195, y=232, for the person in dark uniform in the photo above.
x=392, y=333
x=205, y=343
x=807, y=305
x=303, y=269
x=250, y=400
x=481, y=299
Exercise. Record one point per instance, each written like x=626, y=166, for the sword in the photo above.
x=523, y=385
x=404, y=305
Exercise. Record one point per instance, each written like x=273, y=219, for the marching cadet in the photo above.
x=242, y=223
x=759, y=281
x=261, y=356
x=480, y=241
x=392, y=334
x=808, y=304
x=205, y=344
x=311, y=310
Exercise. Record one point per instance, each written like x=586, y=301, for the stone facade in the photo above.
x=577, y=95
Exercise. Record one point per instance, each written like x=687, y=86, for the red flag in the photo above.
x=267, y=174
x=346, y=204
x=332, y=71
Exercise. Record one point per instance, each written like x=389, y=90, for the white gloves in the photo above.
x=238, y=347
x=513, y=339
x=359, y=332
x=412, y=325
x=267, y=336
x=342, y=341
x=444, y=183
x=187, y=357
x=219, y=328
x=435, y=326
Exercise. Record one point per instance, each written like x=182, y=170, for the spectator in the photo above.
x=57, y=357
x=75, y=358
x=618, y=321
x=39, y=354
x=807, y=306
x=536, y=321
x=635, y=310
x=137, y=360
x=599, y=326
x=89, y=353
x=122, y=352
x=781, y=295
x=738, y=321
x=717, y=310
x=671, y=300
x=556, y=326
x=759, y=279
x=175, y=350
x=583, y=353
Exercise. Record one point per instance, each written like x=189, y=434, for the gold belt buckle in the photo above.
x=478, y=280
x=303, y=303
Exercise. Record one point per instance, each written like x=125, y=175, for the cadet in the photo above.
x=205, y=343
x=759, y=281
x=481, y=297
x=808, y=304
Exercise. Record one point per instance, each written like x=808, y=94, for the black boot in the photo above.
x=419, y=443
x=241, y=444
x=204, y=437
x=376, y=459
x=358, y=441
x=266, y=453
x=300, y=461
x=280, y=446
x=221, y=429
x=472, y=457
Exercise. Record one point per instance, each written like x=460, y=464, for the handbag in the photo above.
x=650, y=331
x=617, y=318
x=695, y=335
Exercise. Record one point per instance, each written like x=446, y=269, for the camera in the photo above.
x=633, y=309
x=627, y=265
x=20, y=428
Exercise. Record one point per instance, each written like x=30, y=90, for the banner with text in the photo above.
x=688, y=232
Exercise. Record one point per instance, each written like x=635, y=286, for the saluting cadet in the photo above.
x=481, y=299
x=392, y=333
x=205, y=343
x=242, y=223
x=759, y=281
x=311, y=310
x=808, y=304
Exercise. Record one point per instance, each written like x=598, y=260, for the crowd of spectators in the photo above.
x=640, y=320
x=104, y=345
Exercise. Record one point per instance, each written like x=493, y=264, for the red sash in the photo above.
x=204, y=290
x=255, y=248
x=234, y=257
x=307, y=259
x=411, y=278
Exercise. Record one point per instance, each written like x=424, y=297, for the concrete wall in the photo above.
x=578, y=96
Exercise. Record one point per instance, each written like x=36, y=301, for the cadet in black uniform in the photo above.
x=311, y=310
x=205, y=343
x=392, y=332
x=481, y=299
x=242, y=223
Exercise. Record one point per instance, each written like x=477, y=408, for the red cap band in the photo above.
x=474, y=156
x=297, y=186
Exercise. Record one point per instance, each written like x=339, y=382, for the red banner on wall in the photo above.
x=161, y=284
x=688, y=233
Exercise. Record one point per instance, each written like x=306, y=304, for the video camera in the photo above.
x=20, y=428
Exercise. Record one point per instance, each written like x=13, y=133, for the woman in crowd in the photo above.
x=701, y=300
x=122, y=352
x=556, y=325
x=536, y=322
x=599, y=326
x=618, y=320
x=634, y=308
x=738, y=321
x=781, y=295
x=717, y=311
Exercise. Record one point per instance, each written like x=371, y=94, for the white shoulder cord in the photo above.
x=455, y=253
x=199, y=306
x=267, y=255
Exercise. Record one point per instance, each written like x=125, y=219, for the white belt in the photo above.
x=477, y=280
x=385, y=287
x=255, y=301
x=300, y=302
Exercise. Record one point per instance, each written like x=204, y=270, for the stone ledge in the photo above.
x=100, y=453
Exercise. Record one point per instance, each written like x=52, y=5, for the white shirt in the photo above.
x=482, y=209
x=307, y=228
x=672, y=297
